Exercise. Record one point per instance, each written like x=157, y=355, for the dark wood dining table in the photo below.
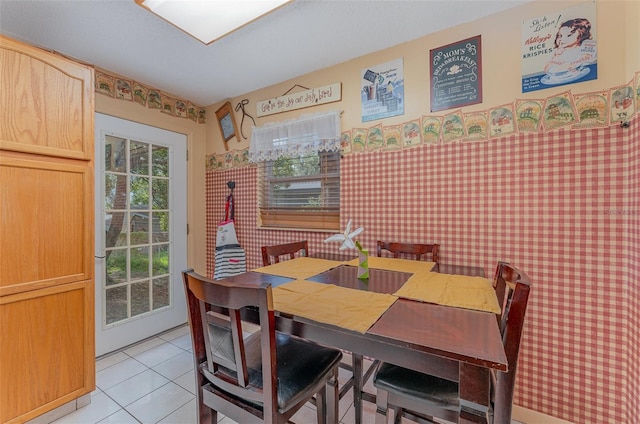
x=454, y=343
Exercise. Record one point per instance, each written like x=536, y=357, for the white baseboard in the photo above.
x=528, y=416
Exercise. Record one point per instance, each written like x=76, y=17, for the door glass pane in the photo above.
x=160, y=193
x=139, y=228
x=139, y=298
x=139, y=193
x=160, y=292
x=115, y=230
x=116, y=266
x=160, y=162
x=116, y=304
x=114, y=154
x=160, y=260
x=139, y=263
x=115, y=189
x=160, y=226
x=139, y=153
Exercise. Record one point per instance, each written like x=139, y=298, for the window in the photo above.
x=299, y=172
x=302, y=192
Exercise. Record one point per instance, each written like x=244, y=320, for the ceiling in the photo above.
x=300, y=37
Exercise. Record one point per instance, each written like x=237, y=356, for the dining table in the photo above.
x=455, y=342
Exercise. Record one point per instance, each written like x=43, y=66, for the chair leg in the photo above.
x=321, y=405
x=397, y=415
x=382, y=406
x=206, y=415
x=332, y=399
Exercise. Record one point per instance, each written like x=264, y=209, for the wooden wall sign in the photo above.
x=456, y=75
x=301, y=99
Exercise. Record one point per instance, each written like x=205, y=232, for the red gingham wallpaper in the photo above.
x=633, y=279
x=563, y=206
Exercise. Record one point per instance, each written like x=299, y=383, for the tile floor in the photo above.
x=153, y=382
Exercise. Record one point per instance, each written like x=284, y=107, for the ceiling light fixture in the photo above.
x=210, y=20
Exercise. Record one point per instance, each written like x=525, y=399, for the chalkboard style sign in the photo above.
x=456, y=74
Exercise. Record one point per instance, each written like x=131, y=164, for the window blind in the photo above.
x=301, y=192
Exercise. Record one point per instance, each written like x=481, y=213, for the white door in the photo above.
x=141, y=231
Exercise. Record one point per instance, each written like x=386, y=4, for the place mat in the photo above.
x=299, y=268
x=393, y=264
x=451, y=290
x=351, y=309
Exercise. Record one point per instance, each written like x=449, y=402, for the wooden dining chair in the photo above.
x=504, y=281
x=271, y=254
x=426, y=396
x=253, y=374
x=409, y=249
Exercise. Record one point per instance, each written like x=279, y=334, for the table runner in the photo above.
x=451, y=290
x=393, y=264
x=351, y=309
x=299, y=268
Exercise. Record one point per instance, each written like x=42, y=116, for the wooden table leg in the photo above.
x=475, y=393
x=357, y=386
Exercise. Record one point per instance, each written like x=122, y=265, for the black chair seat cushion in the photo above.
x=301, y=366
x=418, y=386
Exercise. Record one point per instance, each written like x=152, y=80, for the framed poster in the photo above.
x=456, y=74
x=559, y=48
x=382, y=91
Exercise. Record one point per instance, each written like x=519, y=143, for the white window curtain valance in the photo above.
x=308, y=134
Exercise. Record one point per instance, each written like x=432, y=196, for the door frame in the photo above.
x=115, y=336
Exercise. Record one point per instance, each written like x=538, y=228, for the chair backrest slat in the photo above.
x=416, y=250
x=271, y=254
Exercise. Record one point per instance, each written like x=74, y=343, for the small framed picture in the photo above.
x=227, y=122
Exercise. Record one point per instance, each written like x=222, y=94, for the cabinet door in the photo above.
x=46, y=349
x=46, y=210
x=49, y=100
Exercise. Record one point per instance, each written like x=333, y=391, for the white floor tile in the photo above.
x=120, y=417
x=183, y=415
x=343, y=376
x=183, y=342
x=119, y=372
x=101, y=406
x=306, y=415
x=157, y=354
x=110, y=360
x=136, y=387
x=160, y=403
x=187, y=381
x=173, y=334
x=175, y=366
x=146, y=345
x=345, y=406
x=368, y=413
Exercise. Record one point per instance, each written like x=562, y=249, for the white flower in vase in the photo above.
x=347, y=238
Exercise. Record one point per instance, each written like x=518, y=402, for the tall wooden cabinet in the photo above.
x=47, y=348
